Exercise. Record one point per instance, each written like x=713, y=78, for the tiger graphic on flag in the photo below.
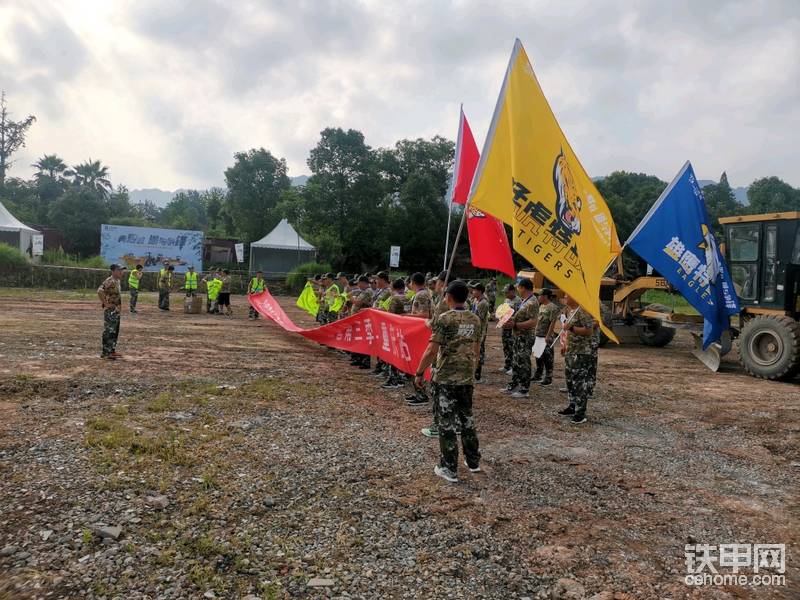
x=568, y=203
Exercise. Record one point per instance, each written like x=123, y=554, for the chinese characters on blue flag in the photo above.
x=675, y=237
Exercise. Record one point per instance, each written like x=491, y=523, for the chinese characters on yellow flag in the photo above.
x=530, y=178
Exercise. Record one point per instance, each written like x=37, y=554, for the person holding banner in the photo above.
x=579, y=368
x=257, y=285
x=522, y=325
x=545, y=324
x=381, y=298
x=421, y=307
x=361, y=298
x=397, y=306
x=454, y=346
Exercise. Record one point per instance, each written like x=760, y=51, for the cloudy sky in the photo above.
x=165, y=91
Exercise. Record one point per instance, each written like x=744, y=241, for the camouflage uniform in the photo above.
x=379, y=297
x=481, y=309
x=397, y=306
x=544, y=364
x=164, y=286
x=422, y=304
x=110, y=291
x=578, y=363
x=523, y=344
x=456, y=332
x=506, y=335
x=439, y=309
x=595, y=356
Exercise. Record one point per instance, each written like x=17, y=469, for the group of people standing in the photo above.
x=459, y=315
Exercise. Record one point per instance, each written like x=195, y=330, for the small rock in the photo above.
x=22, y=555
x=8, y=551
x=112, y=532
x=319, y=582
x=45, y=534
x=269, y=502
x=209, y=594
x=159, y=502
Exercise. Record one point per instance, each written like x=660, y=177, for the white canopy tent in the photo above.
x=14, y=232
x=280, y=251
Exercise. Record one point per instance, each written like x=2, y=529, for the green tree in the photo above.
x=12, y=136
x=92, y=174
x=343, y=210
x=720, y=202
x=419, y=222
x=22, y=199
x=79, y=212
x=432, y=157
x=50, y=166
x=50, y=182
x=187, y=210
x=771, y=194
x=255, y=183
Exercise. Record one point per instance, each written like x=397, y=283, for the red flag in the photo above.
x=488, y=243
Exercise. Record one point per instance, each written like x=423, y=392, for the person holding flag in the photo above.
x=675, y=237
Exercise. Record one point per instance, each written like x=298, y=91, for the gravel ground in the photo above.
x=224, y=458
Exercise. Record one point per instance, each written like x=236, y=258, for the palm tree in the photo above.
x=50, y=165
x=92, y=174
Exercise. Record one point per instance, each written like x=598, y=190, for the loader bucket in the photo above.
x=712, y=356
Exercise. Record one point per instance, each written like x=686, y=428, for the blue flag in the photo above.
x=675, y=237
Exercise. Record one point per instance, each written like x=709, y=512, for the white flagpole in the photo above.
x=451, y=191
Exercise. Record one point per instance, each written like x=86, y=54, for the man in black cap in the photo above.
x=454, y=346
x=522, y=325
x=111, y=300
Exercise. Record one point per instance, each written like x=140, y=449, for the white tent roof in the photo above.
x=283, y=237
x=9, y=222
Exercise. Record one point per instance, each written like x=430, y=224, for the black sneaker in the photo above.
x=417, y=401
x=536, y=379
x=563, y=390
x=567, y=412
x=545, y=382
x=510, y=389
x=392, y=385
x=578, y=419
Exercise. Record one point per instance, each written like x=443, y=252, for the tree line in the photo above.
x=358, y=201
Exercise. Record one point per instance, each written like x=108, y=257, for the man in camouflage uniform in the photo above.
x=111, y=300
x=545, y=324
x=508, y=345
x=578, y=361
x=165, y=285
x=439, y=308
x=454, y=346
x=491, y=296
x=398, y=303
x=480, y=306
x=522, y=325
x=422, y=308
x=361, y=297
x=380, y=301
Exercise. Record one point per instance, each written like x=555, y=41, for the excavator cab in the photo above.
x=763, y=255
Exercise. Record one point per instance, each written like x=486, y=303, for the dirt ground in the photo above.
x=236, y=459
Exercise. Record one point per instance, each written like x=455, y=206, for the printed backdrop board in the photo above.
x=150, y=247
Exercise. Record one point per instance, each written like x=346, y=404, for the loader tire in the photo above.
x=654, y=333
x=769, y=347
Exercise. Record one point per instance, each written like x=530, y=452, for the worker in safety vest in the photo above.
x=133, y=283
x=213, y=286
x=165, y=285
x=190, y=282
x=257, y=285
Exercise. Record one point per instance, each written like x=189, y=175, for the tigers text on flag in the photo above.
x=308, y=300
x=488, y=242
x=396, y=339
x=530, y=178
x=675, y=237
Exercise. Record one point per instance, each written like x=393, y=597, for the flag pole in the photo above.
x=451, y=192
x=455, y=242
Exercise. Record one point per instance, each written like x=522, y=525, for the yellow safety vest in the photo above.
x=190, y=282
x=257, y=285
x=166, y=275
x=133, y=281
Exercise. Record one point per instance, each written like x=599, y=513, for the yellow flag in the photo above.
x=530, y=178
x=308, y=300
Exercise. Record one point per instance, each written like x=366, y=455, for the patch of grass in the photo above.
x=99, y=424
x=202, y=546
x=199, y=506
x=209, y=482
x=161, y=403
x=675, y=302
x=114, y=436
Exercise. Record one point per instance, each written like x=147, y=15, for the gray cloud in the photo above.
x=182, y=85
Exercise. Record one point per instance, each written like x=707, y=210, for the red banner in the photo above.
x=396, y=339
x=488, y=242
